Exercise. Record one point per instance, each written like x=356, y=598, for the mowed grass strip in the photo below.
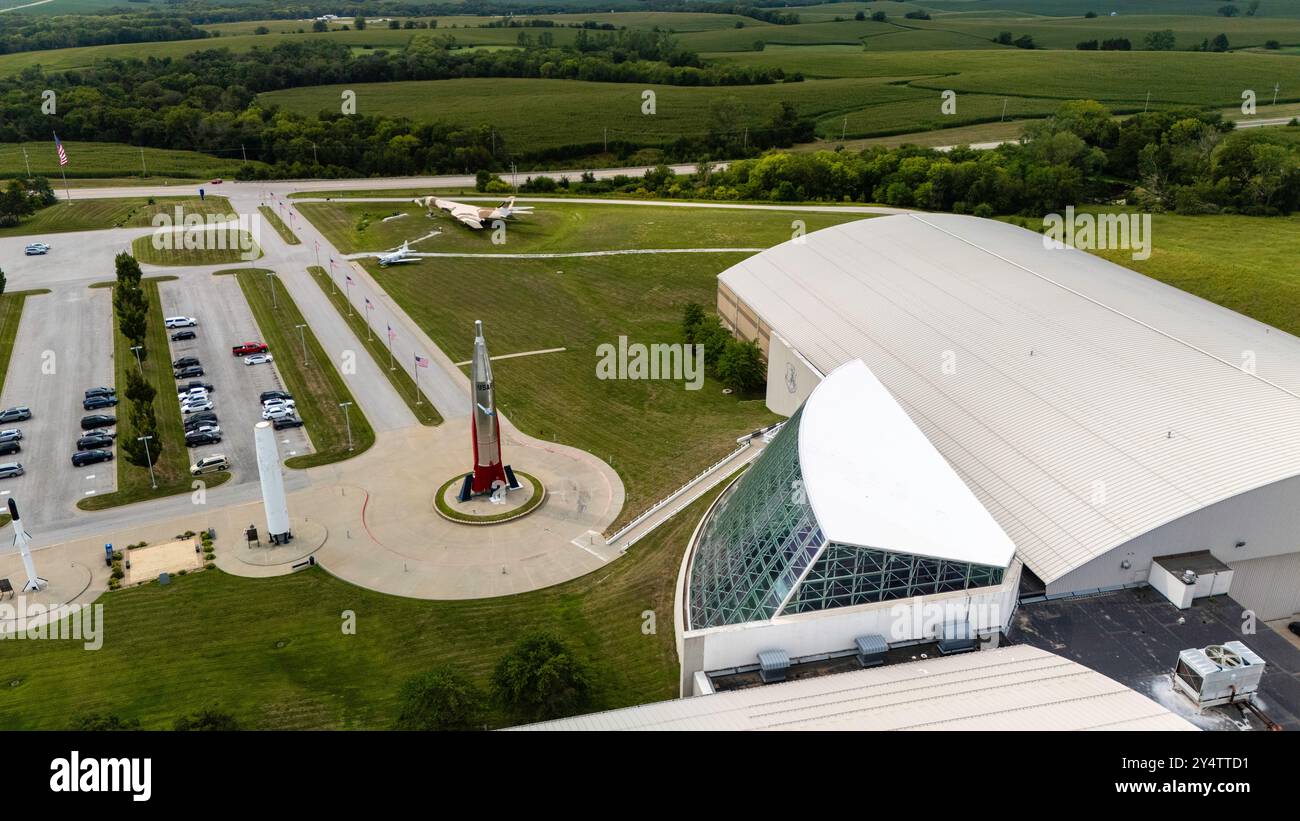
x=172, y=467
x=377, y=345
x=115, y=212
x=210, y=246
x=92, y=159
x=316, y=385
x=279, y=226
x=269, y=651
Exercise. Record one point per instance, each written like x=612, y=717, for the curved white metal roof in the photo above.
x=874, y=480
x=1083, y=404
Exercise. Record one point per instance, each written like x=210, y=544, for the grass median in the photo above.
x=171, y=470
x=213, y=246
x=11, y=312
x=317, y=388
x=278, y=224
x=379, y=351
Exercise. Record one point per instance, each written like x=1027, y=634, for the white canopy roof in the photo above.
x=1086, y=404
x=874, y=480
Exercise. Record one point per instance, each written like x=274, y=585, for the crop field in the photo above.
x=87, y=159
x=878, y=93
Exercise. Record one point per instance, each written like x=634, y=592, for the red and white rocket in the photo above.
x=488, y=468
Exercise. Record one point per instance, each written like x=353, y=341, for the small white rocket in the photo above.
x=22, y=541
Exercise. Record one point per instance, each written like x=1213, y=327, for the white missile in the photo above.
x=273, y=498
x=22, y=541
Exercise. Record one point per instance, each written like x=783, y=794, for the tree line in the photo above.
x=1185, y=161
x=19, y=33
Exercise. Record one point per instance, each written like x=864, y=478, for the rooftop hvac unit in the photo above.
x=1219, y=674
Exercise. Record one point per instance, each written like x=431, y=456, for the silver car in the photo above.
x=9, y=470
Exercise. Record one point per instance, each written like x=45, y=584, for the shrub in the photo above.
x=441, y=699
x=540, y=678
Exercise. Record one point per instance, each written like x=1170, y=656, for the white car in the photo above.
x=37, y=249
x=273, y=403
x=193, y=393
x=205, y=429
x=195, y=407
x=271, y=414
x=257, y=359
x=210, y=464
x=180, y=322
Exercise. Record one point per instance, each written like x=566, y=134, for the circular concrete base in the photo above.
x=66, y=583
x=481, y=510
x=308, y=536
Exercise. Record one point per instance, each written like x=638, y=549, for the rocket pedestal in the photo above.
x=489, y=473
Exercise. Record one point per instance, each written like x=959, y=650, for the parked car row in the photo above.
x=10, y=438
x=37, y=249
x=96, y=442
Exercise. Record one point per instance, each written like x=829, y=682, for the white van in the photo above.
x=180, y=322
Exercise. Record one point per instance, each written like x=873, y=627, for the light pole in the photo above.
x=303, y=336
x=138, y=364
x=347, y=421
x=271, y=276
x=153, y=483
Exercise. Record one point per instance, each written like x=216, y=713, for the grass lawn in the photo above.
x=316, y=386
x=355, y=227
x=271, y=651
x=123, y=212
x=279, y=226
x=11, y=311
x=172, y=467
x=210, y=247
x=656, y=434
x=1247, y=264
x=377, y=344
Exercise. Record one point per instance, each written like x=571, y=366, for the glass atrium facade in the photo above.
x=762, y=536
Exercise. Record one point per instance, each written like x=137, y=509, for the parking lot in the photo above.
x=64, y=346
x=218, y=303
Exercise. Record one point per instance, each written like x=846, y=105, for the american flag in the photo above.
x=349, y=278
x=63, y=155
x=391, y=333
x=368, y=304
x=421, y=361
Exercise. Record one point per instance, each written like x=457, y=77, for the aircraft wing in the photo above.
x=470, y=218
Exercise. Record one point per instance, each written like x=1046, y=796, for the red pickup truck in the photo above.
x=248, y=348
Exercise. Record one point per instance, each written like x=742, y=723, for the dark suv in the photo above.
x=275, y=395
x=89, y=457
x=185, y=362
x=10, y=447
x=97, y=420
x=188, y=372
x=94, y=441
x=99, y=401
x=196, y=438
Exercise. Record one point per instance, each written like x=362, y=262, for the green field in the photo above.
x=171, y=468
x=87, y=159
x=120, y=212
x=270, y=651
x=656, y=434
x=214, y=247
x=316, y=385
x=862, y=94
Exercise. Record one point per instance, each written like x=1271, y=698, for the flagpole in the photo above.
x=369, y=336
x=416, y=373
x=390, y=348
x=63, y=167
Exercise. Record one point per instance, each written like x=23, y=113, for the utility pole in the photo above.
x=1275, y=88
x=347, y=421
x=746, y=146
x=243, y=151
x=1147, y=104
x=1004, y=109
x=138, y=364
x=313, y=154
x=28, y=162
x=844, y=130
x=144, y=171
x=606, y=151
x=302, y=335
x=514, y=177
x=147, y=460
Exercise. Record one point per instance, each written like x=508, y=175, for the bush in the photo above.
x=206, y=719
x=441, y=699
x=741, y=367
x=103, y=722
x=540, y=678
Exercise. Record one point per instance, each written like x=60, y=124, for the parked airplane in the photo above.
x=472, y=215
x=403, y=254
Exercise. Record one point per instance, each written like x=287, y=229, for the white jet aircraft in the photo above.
x=403, y=254
x=472, y=215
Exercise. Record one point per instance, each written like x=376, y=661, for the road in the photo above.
x=64, y=346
